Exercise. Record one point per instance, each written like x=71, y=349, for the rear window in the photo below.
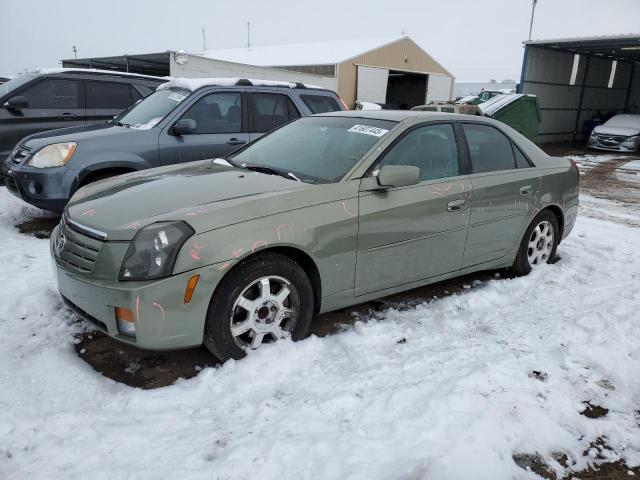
x=320, y=103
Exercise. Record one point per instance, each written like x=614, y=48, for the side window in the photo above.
x=521, y=160
x=107, y=95
x=54, y=93
x=490, y=149
x=320, y=103
x=271, y=110
x=431, y=148
x=217, y=113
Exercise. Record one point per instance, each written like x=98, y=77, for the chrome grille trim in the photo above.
x=79, y=253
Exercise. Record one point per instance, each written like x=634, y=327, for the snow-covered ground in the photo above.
x=440, y=391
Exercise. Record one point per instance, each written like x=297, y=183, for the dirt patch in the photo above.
x=39, y=227
x=594, y=411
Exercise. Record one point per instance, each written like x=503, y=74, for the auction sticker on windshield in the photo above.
x=367, y=130
x=177, y=97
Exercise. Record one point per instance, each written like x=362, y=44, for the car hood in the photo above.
x=204, y=194
x=82, y=134
x=625, y=131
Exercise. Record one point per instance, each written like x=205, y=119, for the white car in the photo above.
x=620, y=133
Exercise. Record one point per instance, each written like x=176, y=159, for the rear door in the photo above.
x=269, y=110
x=505, y=188
x=104, y=99
x=52, y=103
x=220, y=119
x=413, y=233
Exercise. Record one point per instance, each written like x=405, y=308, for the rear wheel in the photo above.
x=539, y=243
x=266, y=299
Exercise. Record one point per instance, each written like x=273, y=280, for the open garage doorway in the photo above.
x=406, y=90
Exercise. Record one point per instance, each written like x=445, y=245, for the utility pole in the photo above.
x=75, y=52
x=533, y=11
x=248, y=35
x=204, y=40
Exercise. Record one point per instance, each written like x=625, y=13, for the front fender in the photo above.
x=327, y=233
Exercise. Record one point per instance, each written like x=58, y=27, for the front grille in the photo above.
x=74, y=251
x=611, y=139
x=19, y=154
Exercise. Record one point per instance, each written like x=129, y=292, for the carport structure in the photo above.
x=577, y=78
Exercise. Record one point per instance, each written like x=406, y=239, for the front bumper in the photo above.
x=44, y=188
x=612, y=145
x=162, y=320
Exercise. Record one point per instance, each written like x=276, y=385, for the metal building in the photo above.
x=576, y=79
x=393, y=71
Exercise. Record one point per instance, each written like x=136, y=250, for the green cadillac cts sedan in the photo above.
x=325, y=212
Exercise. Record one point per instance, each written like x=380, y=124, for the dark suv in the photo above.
x=59, y=98
x=184, y=120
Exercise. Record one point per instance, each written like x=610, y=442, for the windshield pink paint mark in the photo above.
x=195, y=251
x=159, y=307
x=89, y=211
x=347, y=211
x=257, y=244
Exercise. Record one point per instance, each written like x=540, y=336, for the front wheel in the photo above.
x=264, y=300
x=539, y=243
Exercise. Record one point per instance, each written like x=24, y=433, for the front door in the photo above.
x=413, y=233
x=52, y=103
x=505, y=188
x=219, y=130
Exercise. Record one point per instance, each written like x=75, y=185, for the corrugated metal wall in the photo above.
x=200, y=67
x=547, y=73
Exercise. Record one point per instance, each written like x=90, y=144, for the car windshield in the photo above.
x=314, y=149
x=14, y=83
x=148, y=112
x=628, y=121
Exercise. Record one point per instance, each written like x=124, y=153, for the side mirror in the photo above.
x=393, y=176
x=185, y=126
x=16, y=103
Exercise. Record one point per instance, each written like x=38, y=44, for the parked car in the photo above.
x=621, y=133
x=184, y=120
x=323, y=213
x=60, y=98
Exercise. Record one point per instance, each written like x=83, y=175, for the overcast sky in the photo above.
x=474, y=39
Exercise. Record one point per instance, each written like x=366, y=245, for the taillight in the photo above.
x=575, y=166
x=342, y=102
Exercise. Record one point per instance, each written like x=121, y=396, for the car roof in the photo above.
x=96, y=73
x=402, y=115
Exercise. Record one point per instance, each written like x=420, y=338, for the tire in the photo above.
x=243, y=316
x=537, y=247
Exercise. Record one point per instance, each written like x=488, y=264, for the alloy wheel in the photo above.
x=264, y=312
x=540, y=244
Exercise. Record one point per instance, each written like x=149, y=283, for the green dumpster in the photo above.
x=521, y=112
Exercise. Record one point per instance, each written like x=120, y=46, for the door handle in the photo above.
x=456, y=205
x=235, y=141
x=526, y=190
x=67, y=115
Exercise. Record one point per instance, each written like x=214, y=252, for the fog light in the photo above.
x=124, y=321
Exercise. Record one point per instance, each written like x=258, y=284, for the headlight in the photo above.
x=153, y=251
x=55, y=155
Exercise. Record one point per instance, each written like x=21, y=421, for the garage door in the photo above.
x=372, y=84
x=438, y=88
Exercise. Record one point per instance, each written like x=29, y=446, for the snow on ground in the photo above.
x=453, y=401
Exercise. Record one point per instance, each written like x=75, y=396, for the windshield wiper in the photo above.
x=272, y=171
